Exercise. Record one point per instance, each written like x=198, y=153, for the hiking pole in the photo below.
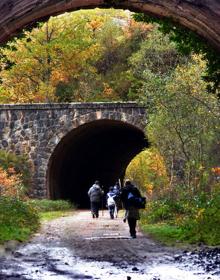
x=102, y=204
x=119, y=182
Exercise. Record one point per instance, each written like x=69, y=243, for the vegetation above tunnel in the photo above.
x=187, y=41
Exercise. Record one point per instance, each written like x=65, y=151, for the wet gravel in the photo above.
x=208, y=259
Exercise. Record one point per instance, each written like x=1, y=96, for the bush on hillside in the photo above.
x=197, y=217
x=203, y=225
x=17, y=220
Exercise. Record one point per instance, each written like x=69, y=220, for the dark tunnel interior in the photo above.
x=99, y=150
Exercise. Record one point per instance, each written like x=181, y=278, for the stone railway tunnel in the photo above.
x=71, y=145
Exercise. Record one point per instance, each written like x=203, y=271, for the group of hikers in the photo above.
x=128, y=197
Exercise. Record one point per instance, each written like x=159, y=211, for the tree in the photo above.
x=184, y=123
x=46, y=56
x=153, y=64
x=80, y=56
x=187, y=41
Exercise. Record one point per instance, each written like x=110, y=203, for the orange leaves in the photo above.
x=95, y=24
x=10, y=183
x=137, y=27
x=108, y=91
x=58, y=76
x=216, y=171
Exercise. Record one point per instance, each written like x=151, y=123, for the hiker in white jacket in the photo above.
x=110, y=197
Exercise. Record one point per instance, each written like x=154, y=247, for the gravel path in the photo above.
x=79, y=247
x=101, y=239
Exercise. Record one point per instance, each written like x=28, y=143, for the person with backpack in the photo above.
x=95, y=194
x=129, y=194
x=117, y=191
x=111, y=204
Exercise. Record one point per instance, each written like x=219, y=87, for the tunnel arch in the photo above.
x=200, y=16
x=99, y=149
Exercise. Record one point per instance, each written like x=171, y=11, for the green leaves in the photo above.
x=17, y=220
x=186, y=42
x=80, y=56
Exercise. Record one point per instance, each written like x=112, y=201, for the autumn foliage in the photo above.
x=14, y=175
x=216, y=171
x=80, y=56
x=148, y=171
x=10, y=183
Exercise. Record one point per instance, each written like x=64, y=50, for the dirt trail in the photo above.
x=79, y=247
x=100, y=239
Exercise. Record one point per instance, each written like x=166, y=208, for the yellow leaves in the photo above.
x=187, y=78
x=156, y=164
x=148, y=171
x=149, y=189
x=200, y=214
x=45, y=93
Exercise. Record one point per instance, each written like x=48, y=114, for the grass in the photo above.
x=18, y=219
x=47, y=216
x=46, y=205
x=14, y=233
x=166, y=234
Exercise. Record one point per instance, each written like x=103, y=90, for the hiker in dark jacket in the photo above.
x=95, y=194
x=132, y=212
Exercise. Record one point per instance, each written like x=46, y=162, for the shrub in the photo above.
x=11, y=184
x=203, y=225
x=164, y=209
x=19, y=163
x=17, y=220
x=195, y=218
x=156, y=211
x=45, y=205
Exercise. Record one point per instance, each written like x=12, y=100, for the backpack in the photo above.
x=95, y=193
x=136, y=201
x=110, y=201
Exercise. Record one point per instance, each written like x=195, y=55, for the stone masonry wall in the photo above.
x=36, y=129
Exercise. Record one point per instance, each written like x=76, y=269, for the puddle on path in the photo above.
x=41, y=262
